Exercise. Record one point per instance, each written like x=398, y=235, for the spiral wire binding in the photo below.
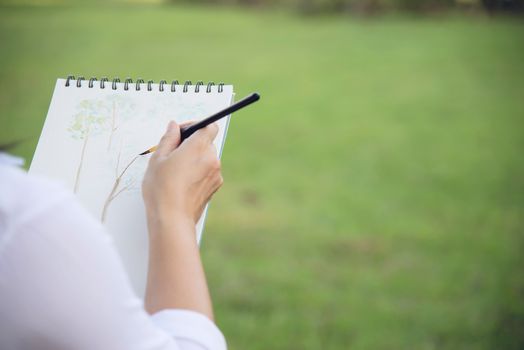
x=197, y=86
x=173, y=85
x=79, y=82
x=128, y=82
x=69, y=77
x=138, y=82
x=186, y=84
x=161, y=85
x=115, y=80
x=102, y=82
x=91, y=82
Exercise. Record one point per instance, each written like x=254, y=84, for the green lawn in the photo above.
x=374, y=198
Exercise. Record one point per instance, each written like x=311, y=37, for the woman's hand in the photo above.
x=181, y=178
x=179, y=181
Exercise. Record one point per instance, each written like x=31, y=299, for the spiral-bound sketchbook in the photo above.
x=92, y=135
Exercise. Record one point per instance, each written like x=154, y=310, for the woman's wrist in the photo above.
x=176, y=278
x=163, y=223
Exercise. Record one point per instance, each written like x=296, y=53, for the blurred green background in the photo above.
x=374, y=198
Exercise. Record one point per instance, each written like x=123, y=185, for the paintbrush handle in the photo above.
x=189, y=130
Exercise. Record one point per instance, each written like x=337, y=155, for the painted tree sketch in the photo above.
x=113, y=124
x=86, y=123
x=176, y=108
x=120, y=185
x=120, y=110
x=103, y=117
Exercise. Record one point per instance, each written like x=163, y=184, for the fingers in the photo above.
x=213, y=167
x=212, y=161
x=207, y=134
x=201, y=139
x=212, y=131
x=170, y=140
x=215, y=185
x=215, y=181
x=187, y=123
x=219, y=181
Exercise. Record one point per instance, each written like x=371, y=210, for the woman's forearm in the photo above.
x=179, y=181
x=176, y=278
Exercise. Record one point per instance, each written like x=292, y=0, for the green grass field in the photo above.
x=374, y=198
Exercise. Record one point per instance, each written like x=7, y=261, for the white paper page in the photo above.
x=91, y=134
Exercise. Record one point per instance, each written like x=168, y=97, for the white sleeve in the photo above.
x=186, y=326
x=62, y=282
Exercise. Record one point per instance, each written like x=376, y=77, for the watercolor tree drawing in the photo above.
x=87, y=122
x=120, y=109
x=116, y=189
x=168, y=108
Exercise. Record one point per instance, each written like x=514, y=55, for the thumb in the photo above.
x=170, y=140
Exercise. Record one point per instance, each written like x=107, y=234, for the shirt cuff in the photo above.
x=192, y=326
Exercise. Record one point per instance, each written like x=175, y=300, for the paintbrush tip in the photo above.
x=151, y=150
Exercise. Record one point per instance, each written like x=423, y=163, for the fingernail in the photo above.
x=170, y=125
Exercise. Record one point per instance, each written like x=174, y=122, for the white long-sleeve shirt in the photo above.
x=62, y=285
